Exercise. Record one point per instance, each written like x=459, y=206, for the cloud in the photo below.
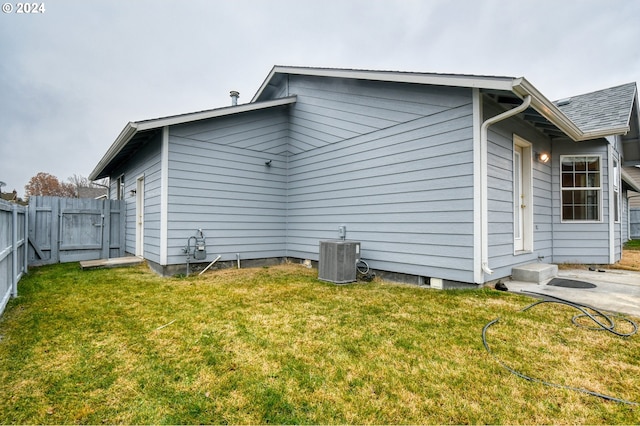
x=71, y=78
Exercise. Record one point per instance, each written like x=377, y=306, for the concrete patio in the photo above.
x=615, y=290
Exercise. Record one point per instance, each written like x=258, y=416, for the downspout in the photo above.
x=484, y=190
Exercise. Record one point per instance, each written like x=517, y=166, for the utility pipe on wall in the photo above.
x=484, y=190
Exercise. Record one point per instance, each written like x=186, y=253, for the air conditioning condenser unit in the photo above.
x=338, y=260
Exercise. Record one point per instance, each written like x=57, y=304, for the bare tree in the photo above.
x=47, y=184
x=79, y=181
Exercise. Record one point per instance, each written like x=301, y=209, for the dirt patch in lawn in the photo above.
x=630, y=262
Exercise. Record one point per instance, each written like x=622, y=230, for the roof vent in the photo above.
x=234, y=97
x=563, y=102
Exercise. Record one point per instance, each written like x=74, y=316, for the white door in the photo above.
x=140, y=216
x=518, y=201
x=522, y=196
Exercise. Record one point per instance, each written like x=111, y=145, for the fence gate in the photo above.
x=634, y=222
x=74, y=229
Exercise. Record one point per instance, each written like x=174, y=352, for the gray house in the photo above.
x=454, y=177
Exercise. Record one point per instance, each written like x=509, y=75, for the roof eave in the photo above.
x=132, y=128
x=629, y=180
x=547, y=109
x=458, y=80
x=220, y=112
x=552, y=113
x=121, y=141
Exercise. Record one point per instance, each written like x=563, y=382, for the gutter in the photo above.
x=551, y=112
x=629, y=179
x=484, y=190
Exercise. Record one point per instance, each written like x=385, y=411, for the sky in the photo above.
x=72, y=76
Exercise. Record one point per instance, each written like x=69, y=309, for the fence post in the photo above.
x=14, y=251
x=25, y=259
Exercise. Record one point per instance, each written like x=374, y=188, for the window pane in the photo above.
x=567, y=165
x=594, y=164
x=594, y=180
x=579, y=197
x=592, y=197
x=581, y=180
x=580, y=164
x=567, y=180
x=567, y=198
x=567, y=213
x=579, y=212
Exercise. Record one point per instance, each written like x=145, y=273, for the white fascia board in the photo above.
x=545, y=107
x=452, y=80
x=220, y=112
x=265, y=83
x=125, y=136
x=132, y=128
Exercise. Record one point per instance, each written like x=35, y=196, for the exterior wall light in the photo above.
x=543, y=157
x=132, y=192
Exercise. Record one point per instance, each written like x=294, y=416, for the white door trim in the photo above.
x=140, y=216
x=522, y=195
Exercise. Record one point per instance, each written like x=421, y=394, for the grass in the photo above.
x=275, y=345
x=632, y=245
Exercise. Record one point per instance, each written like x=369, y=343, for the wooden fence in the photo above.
x=634, y=222
x=74, y=229
x=13, y=249
x=56, y=230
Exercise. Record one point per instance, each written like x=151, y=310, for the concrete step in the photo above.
x=534, y=272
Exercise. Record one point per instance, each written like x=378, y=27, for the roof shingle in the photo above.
x=604, y=109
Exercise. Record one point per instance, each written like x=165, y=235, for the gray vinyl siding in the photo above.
x=500, y=194
x=394, y=164
x=146, y=163
x=577, y=242
x=219, y=182
x=332, y=110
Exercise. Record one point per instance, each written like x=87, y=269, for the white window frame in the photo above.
x=120, y=187
x=527, y=188
x=599, y=189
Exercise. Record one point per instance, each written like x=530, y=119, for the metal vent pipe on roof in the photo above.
x=234, y=97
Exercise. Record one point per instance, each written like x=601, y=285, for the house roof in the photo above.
x=9, y=196
x=95, y=193
x=135, y=134
x=631, y=175
x=602, y=109
x=579, y=119
x=518, y=86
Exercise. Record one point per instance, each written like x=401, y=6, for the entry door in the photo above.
x=140, y=216
x=522, y=196
x=518, y=201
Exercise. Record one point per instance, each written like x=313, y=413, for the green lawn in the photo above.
x=632, y=245
x=275, y=345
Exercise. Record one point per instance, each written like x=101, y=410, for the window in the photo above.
x=581, y=187
x=120, y=188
